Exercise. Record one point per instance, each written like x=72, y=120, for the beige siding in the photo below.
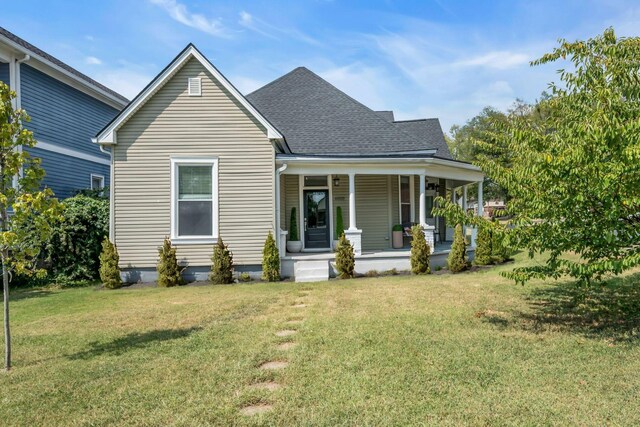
x=170, y=124
x=395, y=200
x=341, y=198
x=372, y=211
x=291, y=198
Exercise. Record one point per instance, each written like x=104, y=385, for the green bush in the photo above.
x=339, y=223
x=73, y=249
x=293, y=226
x=457, y=260
x=271, y=258
x=483, y=255
x=221, y=264
x=420, y=251
x=109, y=270
x=397, y=227
x=499, y=251
x=245, y=277
x=169, y=272
x=345, y=258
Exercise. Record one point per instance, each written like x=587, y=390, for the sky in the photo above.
x=429, y=58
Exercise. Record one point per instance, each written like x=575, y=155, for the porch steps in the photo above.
x=311, y=271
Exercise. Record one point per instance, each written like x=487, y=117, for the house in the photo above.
x=193, y=159
x=67, y=108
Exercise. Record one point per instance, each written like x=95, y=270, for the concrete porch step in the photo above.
x=311, y=271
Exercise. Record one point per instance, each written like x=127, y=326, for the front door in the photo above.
x=316, y=219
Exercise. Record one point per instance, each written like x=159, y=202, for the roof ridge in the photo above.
x=276, y=80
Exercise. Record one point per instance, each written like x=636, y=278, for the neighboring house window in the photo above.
x=194, y=189
x=406, y=199
x=97, y=182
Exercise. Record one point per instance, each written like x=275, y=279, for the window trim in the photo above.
x=95, y=175
x=412, y=196
x=194, y=161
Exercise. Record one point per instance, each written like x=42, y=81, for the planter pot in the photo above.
x=397, y=239
x=335, y=244
x=294, y=246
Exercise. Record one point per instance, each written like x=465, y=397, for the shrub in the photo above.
x=420, y=252
x=483, y=255
x=457, y=260
x=293, y=226
x=73, y=249
x=339, y=223
x=372, y=273
x=397, y=227
x=345, y=258
x=499, y=251
x=109, y=270
x=221, y=264
x=271, y=257
x=168, y=268
x=245, y=277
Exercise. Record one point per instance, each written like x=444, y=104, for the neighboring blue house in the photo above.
x=67, y=109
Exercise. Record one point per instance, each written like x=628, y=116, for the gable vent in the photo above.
x=195, y=86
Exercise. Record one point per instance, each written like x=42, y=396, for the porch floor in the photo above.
x=405, y=252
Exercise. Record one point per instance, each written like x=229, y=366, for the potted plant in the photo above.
x=339, y=227
x=397, y=236
x=294, y=245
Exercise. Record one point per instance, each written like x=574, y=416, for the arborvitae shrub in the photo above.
x=420, y=251
x=345, y=258
x=109, y=270
x=457, y=260
x=221, y=264
x=293, y=226
x=499, y=251
x=168, y=268
x=271, y=258
x=339, y=223
x=483, y=255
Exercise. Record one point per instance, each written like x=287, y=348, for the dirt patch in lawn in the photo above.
x=275, y=364
x=266, y=385
x=255, y=409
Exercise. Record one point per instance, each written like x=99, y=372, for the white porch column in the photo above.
x=480, y=199
x=352, y=233
x=464, y=198
x=429, y=230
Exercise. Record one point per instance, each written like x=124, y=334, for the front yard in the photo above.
x=463, y=349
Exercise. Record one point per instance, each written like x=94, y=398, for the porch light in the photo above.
x=336, y=182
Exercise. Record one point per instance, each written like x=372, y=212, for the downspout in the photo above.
x=111, y=194
x=278, y=172
x=18, y=103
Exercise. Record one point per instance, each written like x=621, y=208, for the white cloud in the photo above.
x=125, y=81
x=180, y=13
x=92, y=60
x=261, y=27
x=368, y=85
x=246, y=84
x=498, y=59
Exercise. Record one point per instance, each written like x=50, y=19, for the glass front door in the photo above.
x=316, y=219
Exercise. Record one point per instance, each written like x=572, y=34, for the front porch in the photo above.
x=373, y=195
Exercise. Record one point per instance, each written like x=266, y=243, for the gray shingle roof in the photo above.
x=25, y=44
x=387, y=115
x=317, y=118
x=428, y=130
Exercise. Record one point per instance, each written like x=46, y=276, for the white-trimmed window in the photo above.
x=97, y=182
x=194, y=200
x=406, y=194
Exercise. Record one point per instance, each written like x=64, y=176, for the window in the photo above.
x=315, y=181
x=97, y=182
x=195, y=86
x=194, y=213
x=406, y=199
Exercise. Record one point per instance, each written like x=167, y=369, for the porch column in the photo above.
x=352, y=233
x=464, y=207
x=429, y=230
x=480, y=199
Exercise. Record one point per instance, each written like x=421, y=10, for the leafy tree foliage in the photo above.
x=499, y=249
x=271, y=259
x=221, y=264
x=574, y=170
x=483, y=254
x=457, y=259
x=345, y=258
x=169, y=272
x=109, y=270
x=420, y=251
x=32, y=210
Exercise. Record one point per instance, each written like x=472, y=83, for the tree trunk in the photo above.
x=7, y=331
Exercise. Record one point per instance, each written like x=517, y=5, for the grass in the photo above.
x=447, y=349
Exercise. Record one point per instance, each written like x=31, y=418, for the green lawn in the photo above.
x=464, y=349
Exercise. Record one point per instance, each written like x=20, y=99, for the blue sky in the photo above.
x=431, y=58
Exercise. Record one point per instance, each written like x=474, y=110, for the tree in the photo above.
x=345, y=258
x=420, y=252
x=270, y=260
x=339, y=223
x=499, y=248
x=483, y=254
x=457, y=259
x=169, y=272
x=293, y=226
x=22, y=233
x=109, y=270
x=574, y=174
x=221, y=264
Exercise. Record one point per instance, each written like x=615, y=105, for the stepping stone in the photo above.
x=294, y=321
x=301, y=305
x=267, y=385
x=255, y=409
x=286, y=333
x=274, y=365
x=287, y=345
